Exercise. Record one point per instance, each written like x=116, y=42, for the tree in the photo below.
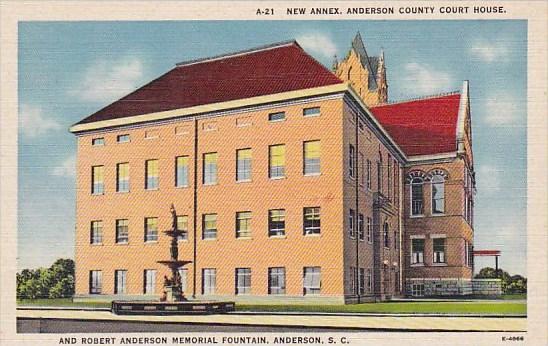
x=54, y=282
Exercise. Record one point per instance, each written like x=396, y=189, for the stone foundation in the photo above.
x=487, y=287
x=418, y=287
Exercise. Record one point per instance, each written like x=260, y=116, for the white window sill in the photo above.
x=276, y=120
x=152, y=189
x=244, y=238
x=151, y=242
x=97, y=193
x=122, y=192
x=417, y=265
x=96, y=244
x=210, y=184
x=438, y=214
x=182, y=187
x=244, y=181
x=150, y=138
x=439, y=264
x=126, y=243
x=209, y=239
x=312, y=174
x=277, y=237
x=312, y=235
x=277, y=178
x=416, y=216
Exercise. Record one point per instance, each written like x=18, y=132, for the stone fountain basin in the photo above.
x=189, y=307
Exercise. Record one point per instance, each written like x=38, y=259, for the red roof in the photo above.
x=267, y=70
x=424, y=126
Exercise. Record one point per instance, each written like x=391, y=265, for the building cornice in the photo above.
x=431, y=159
x=211, y=108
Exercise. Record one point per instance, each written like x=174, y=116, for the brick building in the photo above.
x=292, y=182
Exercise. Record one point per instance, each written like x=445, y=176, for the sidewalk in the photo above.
x=377, y=322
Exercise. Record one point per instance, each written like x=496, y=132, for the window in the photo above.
x=151, y=134
x=417, y=290
x=98, y=141
x=417, y=207
x=149, y=286
x=276, y=280
x=351, y=161
x=209, y=222
x=151, y=229
x=361, y=230
x=97, y=177
x=351, y=217
x=311, y=112
x=311, y=280
x=278, y=116
x=96, y=234
x=369, y=280
x=181, y=171
x=210, y=168
x=379, y=176
x=120, y=281
x=369, y=230
x=122, y=233
x=276, y=222
x=312, y=221
x=353, y=280
x=95, y=281
x=439, y=250
x=389, y=176
x=369, y=174
x=311, y=159
x=361, y=281
x=438, y=194
x=386, y=235
x=363, y=169
x=243, y=165
x=417, y=251
x=183, y=274
x=151, y=174
x=122, y=138
x=209, y=280
x=277, y=161
x=122, y=177
x=182, y=225
x=243, y=224
x=243, y=280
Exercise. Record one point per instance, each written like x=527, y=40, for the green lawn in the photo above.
x=506, y=307
x=457, y=307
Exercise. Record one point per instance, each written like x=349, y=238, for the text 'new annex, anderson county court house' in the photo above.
x=292, y=182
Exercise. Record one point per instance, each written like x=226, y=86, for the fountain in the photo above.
x=173, y=300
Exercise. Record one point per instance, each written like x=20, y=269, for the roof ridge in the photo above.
x=238, y=53
x=420, y=98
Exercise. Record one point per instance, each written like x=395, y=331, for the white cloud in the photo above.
x=105, y=81
x=502, y=110
x=33, y=123
x=489, y=178
x=318, y=43
x=423, y=79
x=488, y=51
x=67, y=168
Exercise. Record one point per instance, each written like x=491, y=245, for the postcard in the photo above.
x=284, y=173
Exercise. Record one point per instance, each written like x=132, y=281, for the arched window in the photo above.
x=417, y=204
x=438, y=194
x=386, y=235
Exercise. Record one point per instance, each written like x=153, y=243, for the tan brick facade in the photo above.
x=361, y=193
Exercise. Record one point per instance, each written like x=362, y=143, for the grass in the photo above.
x=457, y=307
x=505, y=306
x=61, y=302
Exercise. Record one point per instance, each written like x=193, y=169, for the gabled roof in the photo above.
x=423, y=126
x=260, y=71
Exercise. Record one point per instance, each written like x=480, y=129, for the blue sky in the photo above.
x=68, y=70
